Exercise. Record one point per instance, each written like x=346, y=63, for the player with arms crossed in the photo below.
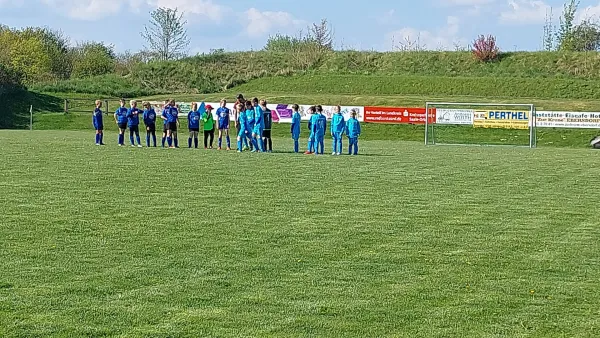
x=223, y=115
x=171, y=115
x=353, y=132
x=133, y=122
x=97, y=120
x=121, y=121
x=149, y=118
x=194, y=125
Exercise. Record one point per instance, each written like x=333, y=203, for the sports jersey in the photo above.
x=133, y=117
x=295, y=128
x=97, y=119
x=149, y=117
x=194, y=120
x=223, y=114
x=121, y=114
x=338, y=124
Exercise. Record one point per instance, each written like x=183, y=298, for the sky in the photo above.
x=382, y=25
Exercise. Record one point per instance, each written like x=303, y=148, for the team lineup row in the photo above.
x=253, y=123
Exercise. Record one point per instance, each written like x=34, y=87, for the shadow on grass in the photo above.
x=15, y=113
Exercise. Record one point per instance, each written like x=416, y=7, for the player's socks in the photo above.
x=97, y=138
x=131, y=140
x=261, y=144
x=254, y=145
x=189, y=142
x=176, y=139
x=148, y=140
x=121, y=139
x=101, y=138
x=239, y=145
x=220, y=142
x=228, y=142
x=154, y=140
x=137, y=138
x=296, y=146
x=170, y=141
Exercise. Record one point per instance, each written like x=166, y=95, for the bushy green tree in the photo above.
x=92, y=59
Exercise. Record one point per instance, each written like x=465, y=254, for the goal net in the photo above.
x=480, y=124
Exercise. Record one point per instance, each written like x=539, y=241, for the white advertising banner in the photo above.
x=455, y=116
x=560, y=119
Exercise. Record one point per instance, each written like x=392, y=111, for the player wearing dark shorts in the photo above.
x=194, y=125
x=223, y=116
x=97, y=120
x=133, y=122
x=266, y=134
x=150, y=123
x=170, y=115
x=121, y=121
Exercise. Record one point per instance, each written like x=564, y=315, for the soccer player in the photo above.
x=150, y=123
x=250, y=118
x=121, y=121
x=241, y=136
x=312, y=124
x=338, y=126
x=97, y=120
x=259, y=125
x=268, y=121
x=165, y=125
x=250, y=125
x=133, y=122
x=353, y=132
x=320, y=130
x=209, y=127
x=171, y=115
x=295, y=129
x=194, y=125
x=223, y=114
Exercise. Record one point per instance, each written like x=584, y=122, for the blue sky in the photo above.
x=242, y=25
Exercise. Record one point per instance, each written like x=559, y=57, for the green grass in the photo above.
x=404, y=240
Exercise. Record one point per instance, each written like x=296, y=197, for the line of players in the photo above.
x=253, y=121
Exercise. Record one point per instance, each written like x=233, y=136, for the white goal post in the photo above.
x=480, y=115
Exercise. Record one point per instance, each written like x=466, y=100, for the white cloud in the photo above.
x=444, y=39
x=258, y=24
x=92, y=10
x=591, y=13
x=202, y=8
x=525, y=12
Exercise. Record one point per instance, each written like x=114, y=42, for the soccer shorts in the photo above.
x=197, y=130
x=172, y=126
x=151, y=128
x=123, y=125
x=165, y=127
x=99, y=127
x=258, y=131
x=134, y=129
x=267, y=133
x=224, y=124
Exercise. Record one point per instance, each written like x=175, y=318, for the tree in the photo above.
x=586, y=37
x=166, y=36
x=564, y=35
x=92, y=59
x=549, y=35
x=485, y=48
x=322, y=34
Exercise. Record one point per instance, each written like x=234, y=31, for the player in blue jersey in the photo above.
x=121, y=121
x=97, y=120
x=194, y=125
x=312, y=124
x=150, y=123
x=250, y=126
x=171, y=115
x=165, y=125
x=239, y=109
x=223, y=116
x=320, y=130
x=259, y=125
x=295, y=129
x=338, y=126
x=133, y=122
x=242, y=123
x=353, y=132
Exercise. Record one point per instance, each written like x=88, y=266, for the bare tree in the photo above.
x=166, y=36
x=410, y=45
x=322, y=34
x=549, y=32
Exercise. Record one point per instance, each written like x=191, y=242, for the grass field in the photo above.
x=403, y=241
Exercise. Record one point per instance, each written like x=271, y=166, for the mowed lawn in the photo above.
x=402, y=241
